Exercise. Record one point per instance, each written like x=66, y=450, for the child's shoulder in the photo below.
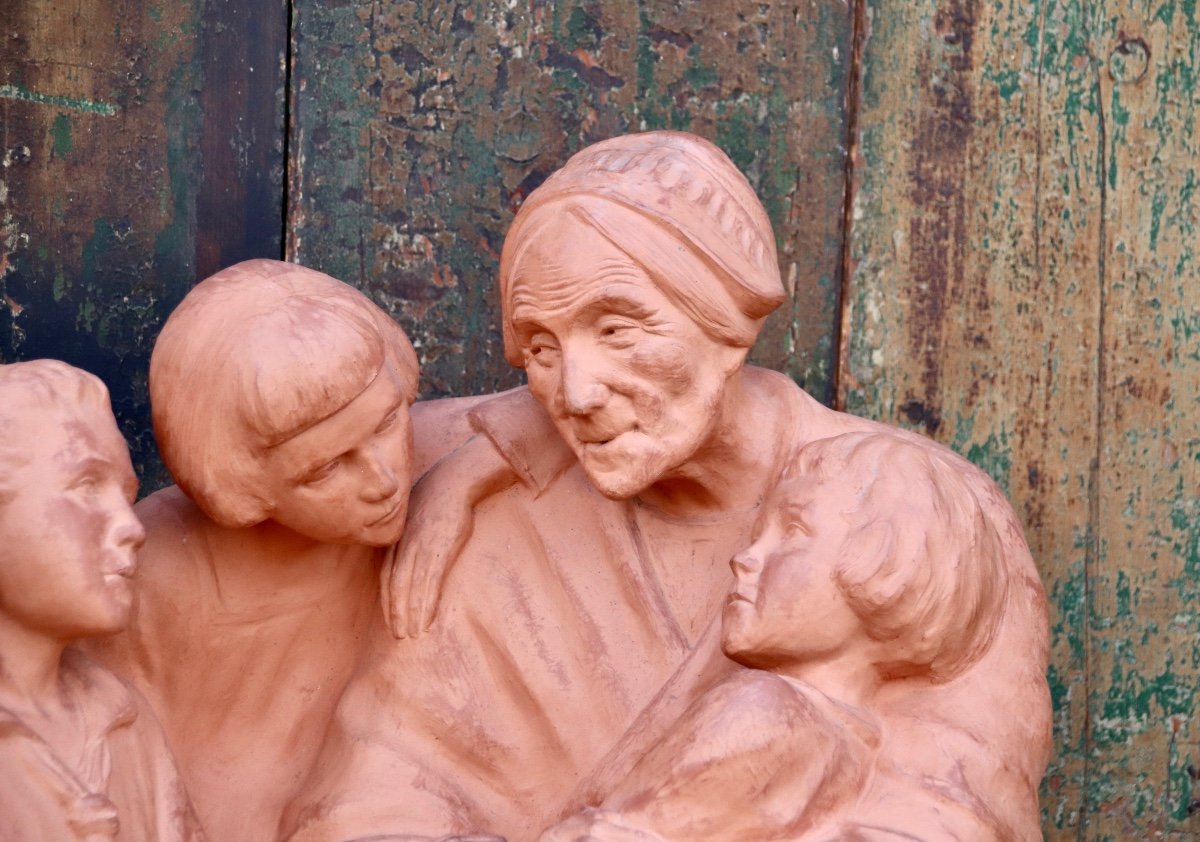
x=762, y=702
x=177, y=538
x=167, y=510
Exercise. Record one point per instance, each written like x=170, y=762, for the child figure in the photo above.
x=281, y=405
x=874, y=567
x=80, y=756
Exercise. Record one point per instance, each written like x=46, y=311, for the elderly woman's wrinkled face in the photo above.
x=632, y=383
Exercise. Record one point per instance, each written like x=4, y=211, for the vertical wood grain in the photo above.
x=972, y=309
x=142, y=149
x=239, y=204
x=1023, y=290
x=1146, y=581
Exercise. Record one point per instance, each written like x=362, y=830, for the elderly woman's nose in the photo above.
x=583, y=386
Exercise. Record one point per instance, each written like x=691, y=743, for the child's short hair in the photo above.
x=41, y=385
x=252, y=356
x=923, y=567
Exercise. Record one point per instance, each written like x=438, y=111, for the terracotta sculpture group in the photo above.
x=656, y=595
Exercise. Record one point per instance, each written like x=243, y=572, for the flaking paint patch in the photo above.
x=86, y=106
x=60, y=132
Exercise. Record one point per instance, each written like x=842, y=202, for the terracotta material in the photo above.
x=281, y=405
x=874, y=564
x=575, y=657
x=81, y=757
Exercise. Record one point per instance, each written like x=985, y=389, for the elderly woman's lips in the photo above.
x=596, y=438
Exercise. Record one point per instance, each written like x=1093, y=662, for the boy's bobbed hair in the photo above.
x=924, y=565
x=251, y=357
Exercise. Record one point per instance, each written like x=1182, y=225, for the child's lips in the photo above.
x=738, y=596
x=394, y=509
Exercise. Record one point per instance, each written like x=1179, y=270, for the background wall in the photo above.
x=985, y=214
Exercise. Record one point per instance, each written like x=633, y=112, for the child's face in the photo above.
x=68, y=539
x=786, y=605
x=346, y=479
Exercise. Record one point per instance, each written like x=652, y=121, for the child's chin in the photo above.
x=736, y=645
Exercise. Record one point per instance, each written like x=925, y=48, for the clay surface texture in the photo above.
x=871, y=664
x=656, y=595
x=81, y=755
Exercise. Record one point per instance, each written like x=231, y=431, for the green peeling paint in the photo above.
x=85, y=106
x=61, y=132
x=698, y=75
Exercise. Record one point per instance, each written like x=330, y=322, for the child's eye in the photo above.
x=388, y=422
x=321, y=473
x=87, y=484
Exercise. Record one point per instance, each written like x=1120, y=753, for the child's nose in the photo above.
x=745, y=563
x=379, y=478
x=129, y=531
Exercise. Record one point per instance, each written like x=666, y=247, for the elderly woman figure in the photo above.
x=581, y=613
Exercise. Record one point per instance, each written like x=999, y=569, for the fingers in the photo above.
x=429, y=580
x=399, y=572
x=385, y=589
x=419, y=573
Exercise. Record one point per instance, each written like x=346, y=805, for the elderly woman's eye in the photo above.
x=797, y=527
x=617, y=329
x=541, y=348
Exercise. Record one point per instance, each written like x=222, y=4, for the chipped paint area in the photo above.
x=1024, y=290
x=84, y=106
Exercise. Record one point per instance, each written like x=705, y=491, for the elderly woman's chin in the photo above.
x=629, y=464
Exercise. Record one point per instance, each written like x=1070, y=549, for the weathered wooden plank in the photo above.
x=114, y=174
x=98, y=190
x=239, y=202
x=973, y=305
x=1145, y=630
x=420, y=127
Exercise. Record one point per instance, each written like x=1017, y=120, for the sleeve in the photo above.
x=519, y=428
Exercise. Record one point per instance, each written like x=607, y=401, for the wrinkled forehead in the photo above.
x=573, y=268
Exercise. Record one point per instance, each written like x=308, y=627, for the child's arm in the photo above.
x=441, y=517
x=746, y=760
x=514, y=441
